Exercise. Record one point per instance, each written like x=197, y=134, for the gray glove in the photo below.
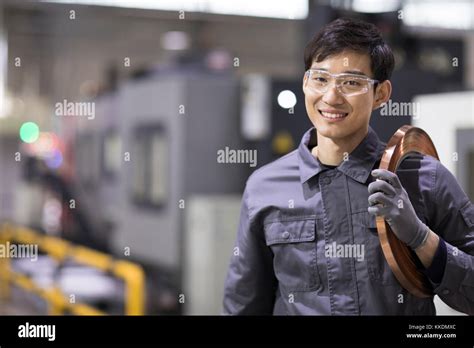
x=388, y=198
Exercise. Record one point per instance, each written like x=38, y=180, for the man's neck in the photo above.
x=333, y=151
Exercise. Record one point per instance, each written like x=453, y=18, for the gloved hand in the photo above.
x=388, y=198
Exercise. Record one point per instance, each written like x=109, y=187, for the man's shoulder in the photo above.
x=285, y=166
x=426, y=171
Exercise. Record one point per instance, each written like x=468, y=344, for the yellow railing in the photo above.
x=61, y=250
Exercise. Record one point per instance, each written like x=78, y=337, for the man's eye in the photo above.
x=352, y=83
x=320, y=79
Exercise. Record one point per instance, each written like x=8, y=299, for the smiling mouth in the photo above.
x=333, y=115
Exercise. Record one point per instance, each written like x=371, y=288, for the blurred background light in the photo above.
x=296, y=9
x=55, y=160
x=175, y=40
x=48, y=146
x=375, y=6
x=457, y=14
x=218, y=59
x=29, y=132
x=286, y=99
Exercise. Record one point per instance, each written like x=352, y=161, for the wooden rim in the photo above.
x=401, y=259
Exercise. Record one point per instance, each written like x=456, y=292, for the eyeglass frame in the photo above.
x=338, y=87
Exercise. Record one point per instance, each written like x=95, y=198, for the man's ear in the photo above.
x=382, y=94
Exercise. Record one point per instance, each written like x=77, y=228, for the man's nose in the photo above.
x=332, y=95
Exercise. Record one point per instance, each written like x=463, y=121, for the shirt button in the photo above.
x=326, y=181
x=446, y=292
x=286, y=234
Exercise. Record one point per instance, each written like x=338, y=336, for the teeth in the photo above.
x=331, y=115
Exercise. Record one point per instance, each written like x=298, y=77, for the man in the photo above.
x=307, y=241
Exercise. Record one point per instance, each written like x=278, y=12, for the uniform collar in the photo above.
x=358, y=166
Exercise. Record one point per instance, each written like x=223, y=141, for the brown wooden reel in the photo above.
x=406, y=140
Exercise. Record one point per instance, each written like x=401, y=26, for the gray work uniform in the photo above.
x=296, y=212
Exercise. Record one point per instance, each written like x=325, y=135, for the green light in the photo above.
x=29, y=132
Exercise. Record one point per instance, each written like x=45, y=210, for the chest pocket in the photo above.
x=377, y=267
x=293, y=243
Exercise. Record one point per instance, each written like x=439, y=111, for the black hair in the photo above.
x=356, y=35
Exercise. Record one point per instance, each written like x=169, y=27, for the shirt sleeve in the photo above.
x=250, y=284
x=453, y=220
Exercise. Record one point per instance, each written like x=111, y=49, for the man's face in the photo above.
x=356, y=109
